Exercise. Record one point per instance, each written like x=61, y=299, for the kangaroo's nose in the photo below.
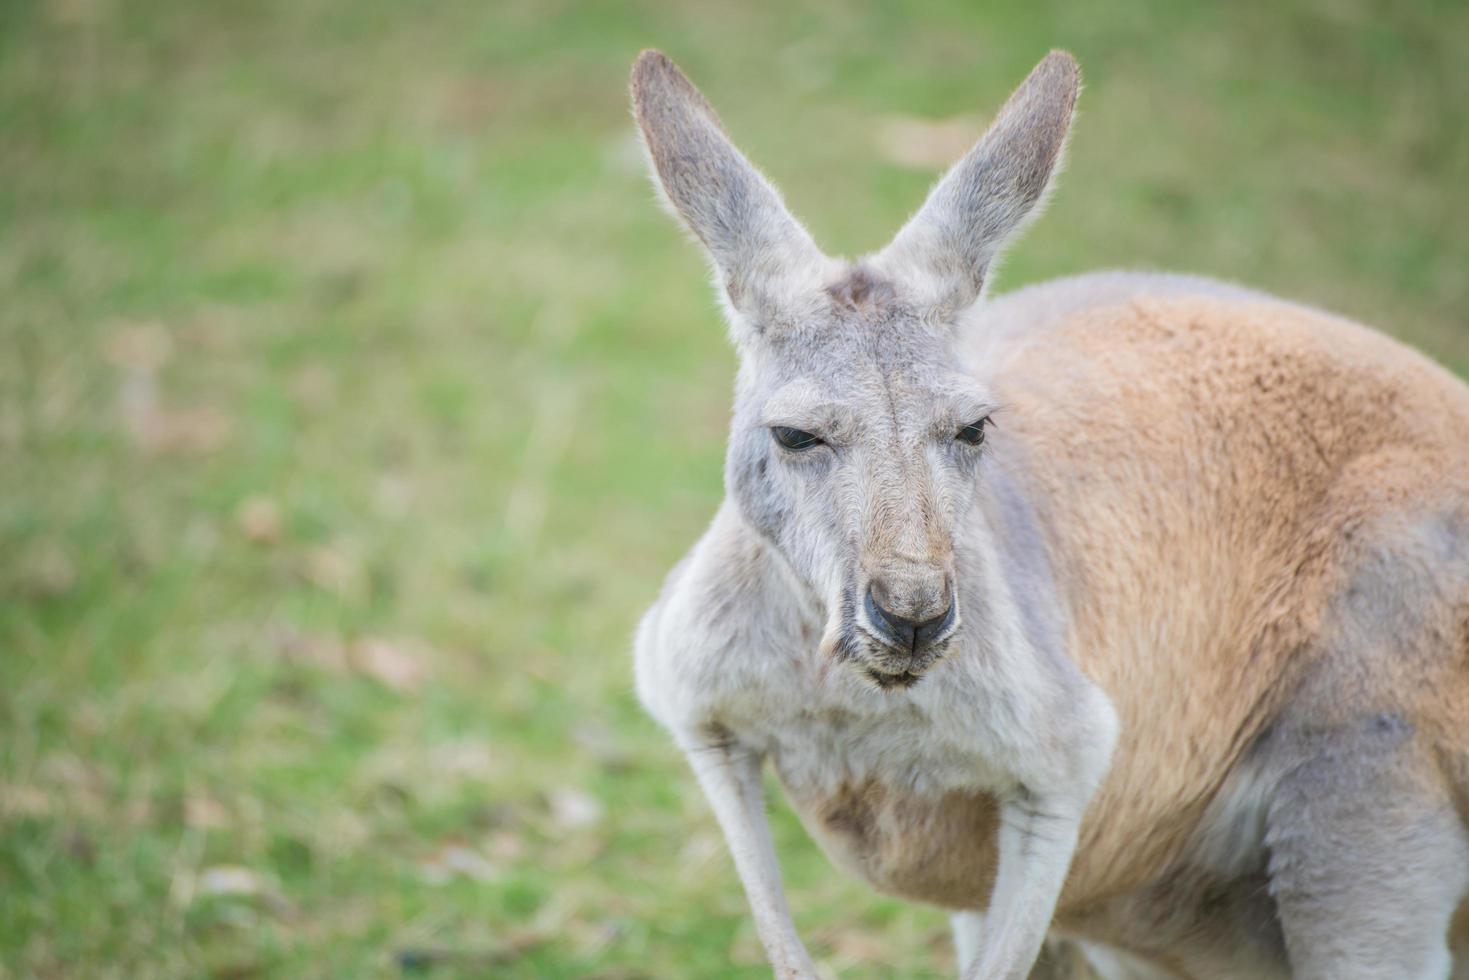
x=924, y=619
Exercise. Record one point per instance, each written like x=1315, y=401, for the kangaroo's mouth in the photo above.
x=887, y=682
x=848, y=640
x=889, y=668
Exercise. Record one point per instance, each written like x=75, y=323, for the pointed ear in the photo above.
x=945, y=250
x=761, y=254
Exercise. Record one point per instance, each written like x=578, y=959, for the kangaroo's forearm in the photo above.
x=730, y=777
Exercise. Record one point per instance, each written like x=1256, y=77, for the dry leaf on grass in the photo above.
x=231, y=881
x=142, y=347
x=204, y=812
x=155, y=428
x=592, y=939
x=76, y=782
x=161, y=431
x=852, y=947
x=24, y=801
x=505, y=846
x=397, y=666
x=314, y=386
x=140, y=351
x=327, y=653
x=463, y=757
x=45, y=571
x=259, y=519
x=393, y=494
x=217, y=330
x=926, y=144
x=574, y=809
x=457, y=860
x=228, y=879
x=334, y=570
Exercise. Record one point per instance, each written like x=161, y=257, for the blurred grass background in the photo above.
x=355, y=396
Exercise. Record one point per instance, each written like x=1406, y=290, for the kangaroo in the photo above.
x=1129, y=607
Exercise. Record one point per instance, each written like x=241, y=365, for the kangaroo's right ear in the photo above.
x=762, y=255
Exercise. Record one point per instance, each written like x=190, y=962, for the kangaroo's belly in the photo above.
x=891, y=799
x=934, y=849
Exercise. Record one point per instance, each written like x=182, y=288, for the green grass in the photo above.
x=355, y=396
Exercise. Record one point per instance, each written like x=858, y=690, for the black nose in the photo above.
x=901, y=632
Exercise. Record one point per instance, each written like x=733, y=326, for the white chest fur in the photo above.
x=826, y=727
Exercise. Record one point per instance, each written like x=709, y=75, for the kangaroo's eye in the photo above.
x=794, y=439
x=973, y=433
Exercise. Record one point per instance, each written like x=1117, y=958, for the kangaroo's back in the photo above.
x=1258, y=513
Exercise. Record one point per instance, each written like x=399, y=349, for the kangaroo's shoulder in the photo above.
x=1130, y=314
x=1196, y=358
x=1052, y=302
x=730, y=615
x=1138, y=319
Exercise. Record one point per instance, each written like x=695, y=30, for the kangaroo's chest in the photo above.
x=938, y=850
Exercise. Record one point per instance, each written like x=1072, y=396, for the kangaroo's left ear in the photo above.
x=762, y=255
x=945, y=250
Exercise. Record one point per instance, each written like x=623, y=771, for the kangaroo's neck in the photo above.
x=1015, y=534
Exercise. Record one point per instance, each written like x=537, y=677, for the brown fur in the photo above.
x=905, y=846
x=1327, y=429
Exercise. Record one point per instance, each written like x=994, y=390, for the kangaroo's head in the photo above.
x=858, y=433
